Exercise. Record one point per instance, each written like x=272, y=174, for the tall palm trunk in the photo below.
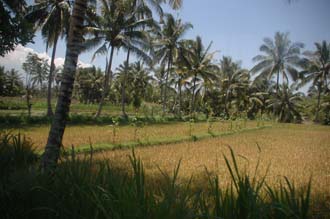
x=106, y=86
x=180, y=96
x=54, y=142
x=166, y=82
x=318, y=102
x=226, y=102
x=50, y=79
x=193, y=96
x=123, y=85
x=28, y=100
x=277, y=82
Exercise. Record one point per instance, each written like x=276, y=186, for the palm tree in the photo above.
x=198, y=63
x=51, y=17
x=167, y=46
x=286, y=104
x=116, y=28
x=13, y=81
x=142, y=79
x=90, y=82
x=52, y=149
x=317, y=71
x=32, y=67
x=231, y=78
x=141, y=44
x=124, y=81
x=40, y=75
x=281, y=56
x=175, y=4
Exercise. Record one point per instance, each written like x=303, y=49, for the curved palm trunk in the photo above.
x=123, y=86
x=50, y=78
x=108, y=77
x=54, y=142
x=166, y=82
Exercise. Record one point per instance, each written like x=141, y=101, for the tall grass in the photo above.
x=85, y=188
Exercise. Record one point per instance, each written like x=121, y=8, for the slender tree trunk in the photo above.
x=54, y=142
x=226, y=103
x=318, y=102
x=28, y=101
x=325, y=82
x=193, y=96
x=123, y=85
x=180, y=96
x=166, y=82
x=277, y=82
x=106, y=86
x=50, y=79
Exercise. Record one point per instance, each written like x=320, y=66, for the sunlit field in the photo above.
x=83, y=135
x=295, y=151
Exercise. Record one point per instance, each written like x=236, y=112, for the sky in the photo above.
x=236, y=28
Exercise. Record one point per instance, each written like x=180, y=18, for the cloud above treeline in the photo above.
x=16, y=58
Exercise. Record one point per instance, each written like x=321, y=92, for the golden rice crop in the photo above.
x=295, y=151
x=80, y=135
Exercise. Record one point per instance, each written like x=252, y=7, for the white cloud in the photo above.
x=16, y=58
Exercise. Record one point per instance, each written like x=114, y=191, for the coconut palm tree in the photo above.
x=140, y=45
x=52, y=18
x=116, y=28
x=317, y=71
x=198, y=62
x=281, y=56
x=233, y=81
x=13, y=82
x=74, y=41
x=286, y=104
x=40, y=74
x=142, y=79
x=167, y=46
x=90, y=82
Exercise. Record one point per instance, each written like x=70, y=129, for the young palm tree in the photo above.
x=198, y=62
x=232, y=78
x=40, y=75
x=167, y=46
x=51, y=17
x=286, y=104
x=13, y=82
x=116, y=28
x=281, y=56
x=90, y=83
x=317, y=71
x=74, y=43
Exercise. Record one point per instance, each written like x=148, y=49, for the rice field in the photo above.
x=83, y=135
x=295, y=151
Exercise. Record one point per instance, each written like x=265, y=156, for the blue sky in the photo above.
x=236, y=27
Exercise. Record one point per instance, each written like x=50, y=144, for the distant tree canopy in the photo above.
x=11, y=83
x=14, y=28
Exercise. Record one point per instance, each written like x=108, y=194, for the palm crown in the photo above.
x=281, y=56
